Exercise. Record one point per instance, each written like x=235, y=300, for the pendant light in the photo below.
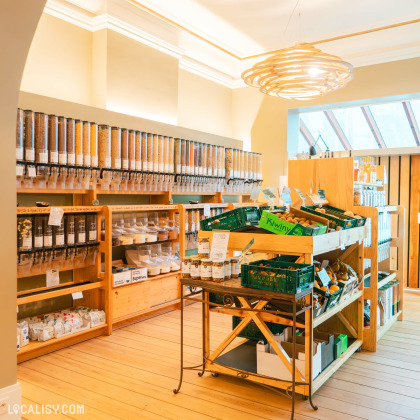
x=300, y=72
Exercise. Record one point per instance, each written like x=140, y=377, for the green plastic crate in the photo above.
x=336, y=218
x=340, y=345
x=359, y=222
x=277, y=208
x=332, y=298
x=252, y=332
x=233, y=219
x=283, y=280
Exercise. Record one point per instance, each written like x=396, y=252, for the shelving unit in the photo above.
x=335, y=176
x=346, y=317
x=84, y=279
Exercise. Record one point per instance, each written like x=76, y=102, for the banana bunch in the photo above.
x=341, y=270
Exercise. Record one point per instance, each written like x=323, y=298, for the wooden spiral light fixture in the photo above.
x=300, y=72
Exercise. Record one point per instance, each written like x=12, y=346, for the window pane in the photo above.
x=303, y=145
x=317, y=124
x=393, y=124
x=355, y=127
x=416, y=109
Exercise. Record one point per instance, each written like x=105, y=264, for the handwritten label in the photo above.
x=53, y=278
x=77, y=295
x=269, y=193
x=247, y=247
x=219, y=245
x=255, y=193
x=19, y=170
x=56, y=216
x=207, y=211
x=324, y=277
x=287, y=200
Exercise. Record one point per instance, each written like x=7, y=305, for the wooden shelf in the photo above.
x=37, y=348
x=334, y=366
x=153, y=278
x=43, y=272
x=385, y=328
x=327, y=315
x=115, y=192
x=50, y=293
x=367, y=184
x=194, y=193
x=292, y=245
x=50, y=191
x=387, y=280
x=67, y=209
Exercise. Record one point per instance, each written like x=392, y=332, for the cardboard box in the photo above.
x=121, y=279
x=139, y=274
x=269, y=363
x=273, y=223
x=326, y=345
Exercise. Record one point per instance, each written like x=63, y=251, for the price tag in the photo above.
x=325, y=263
x=342, y=239
x=286, y=198
x=207, y=212
x=219, y=245
x=247, y=247
x=301, y=194
x=255, y=193
x=31, y=172
x=77, y=295
x=53, y=278
x=321, y=195
x=269, y=193
x=56, y=216
x=324, y=277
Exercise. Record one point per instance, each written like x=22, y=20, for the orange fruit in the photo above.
x=334, y=289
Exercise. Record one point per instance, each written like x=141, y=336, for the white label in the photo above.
x=79, y=160
x=56, y=216
x=167, y=167
x=192, y=227
x=185, y=268
x=133, y=164
x=138, y=166
x=62, y=159
x=235, y=267
x=108, y=162
x=195, y=269
x=122, y=278
x=48, y=241
x=86, y=160
x=207, y=211
x=94, y=160
x=43, y=158
x=117, y=163
x=206, y=270
x=19, y=153
x=139, y=274
x=125, y=163
x=30, y=155
x=324, y=277
x=218, y=272
x=31, y=172
x=77, y=295
x=27, y=243
x=184, y=168
x=161, y=167
x=82, y=237
x=53, y=278
x=19, y=170
x=150, y=166
x=53, y=157
x=38, y=241
x=71, y=158
x=301, y=194
x=92, y=235
x=70, y=239
x=178, y=168
x=269, y=193
x=204, y=248
x=200, y=170
x=59, y=240
x=156, y=167
x=255, y=193
x=219, y=245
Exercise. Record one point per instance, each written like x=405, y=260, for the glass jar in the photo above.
x=218, y=270
x=38, y=231
x=186, y=261
x=153, y=267
x=162, y=234
x=139, y=236
x=195, y=269
x=173, y=230
x=206, y=269
x=235, y=267
x=79, y=229
x=227, y=269
x=151, y=235
x=92, y=229
x=48, y=233
x=58, y=235
x=69, y=229
x=203, y=247
x=358, y=196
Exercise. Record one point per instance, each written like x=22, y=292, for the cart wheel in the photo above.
x=359, y=350
x=305, y=397
x=215, y=374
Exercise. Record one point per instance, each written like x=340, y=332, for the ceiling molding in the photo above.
x=68, y=15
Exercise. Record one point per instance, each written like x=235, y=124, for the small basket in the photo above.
x=277, y=277
x=232, y=220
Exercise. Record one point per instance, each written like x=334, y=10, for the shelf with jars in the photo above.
x=359, y=186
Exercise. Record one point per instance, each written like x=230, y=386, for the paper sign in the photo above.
x=56, y=216
x=53, y=278
x=269, y=193
x=301, y=194
x=31, y=172
x=286, y=198
x=219, y=245
x=321, y=194
x=255, y=193
x=207, y=212
x=77, y=295
x=247, y=247
x=324, y=277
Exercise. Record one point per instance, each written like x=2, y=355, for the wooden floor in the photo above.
x=131, y=374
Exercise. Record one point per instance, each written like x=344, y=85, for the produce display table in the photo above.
x=240, y=360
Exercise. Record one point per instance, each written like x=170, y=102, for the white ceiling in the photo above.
x=209, y=36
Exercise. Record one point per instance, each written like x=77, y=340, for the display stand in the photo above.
x=335, y=176
x=345, y=318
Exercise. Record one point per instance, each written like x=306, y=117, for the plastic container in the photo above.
x=47, y=232
x=91, y=228
x=232, y=220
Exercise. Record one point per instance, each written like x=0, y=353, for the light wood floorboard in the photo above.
x=131, y=374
